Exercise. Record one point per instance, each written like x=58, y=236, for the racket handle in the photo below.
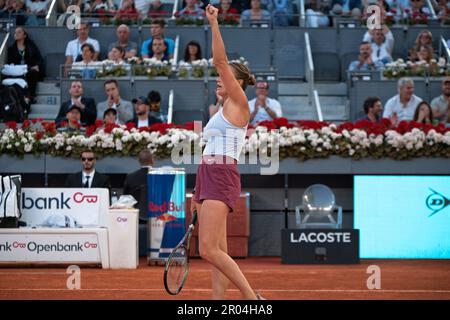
x=194, y=218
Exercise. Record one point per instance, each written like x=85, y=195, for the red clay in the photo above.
x=400, y=279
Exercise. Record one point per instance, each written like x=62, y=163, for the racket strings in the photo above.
x=177, y=269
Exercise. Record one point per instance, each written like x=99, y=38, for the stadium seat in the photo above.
x=183, y=116
x=326, y=66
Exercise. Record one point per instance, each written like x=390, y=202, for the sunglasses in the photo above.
x=87, y=159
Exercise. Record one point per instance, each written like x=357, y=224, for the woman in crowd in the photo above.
x=423, y=113
x=25, y=51
x=192, y=52
x=226, y=12
x=255, y=13
x=36, y=11
x=87, y=66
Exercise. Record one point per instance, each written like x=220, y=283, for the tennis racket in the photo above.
x=177, y=266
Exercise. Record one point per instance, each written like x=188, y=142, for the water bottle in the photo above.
x=114, y=197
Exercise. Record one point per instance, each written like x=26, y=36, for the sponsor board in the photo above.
x=49, y=248
x=85, y=205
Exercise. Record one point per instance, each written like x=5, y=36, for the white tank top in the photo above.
x=223, y=138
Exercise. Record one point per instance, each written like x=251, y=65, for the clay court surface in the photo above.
x=400, y=279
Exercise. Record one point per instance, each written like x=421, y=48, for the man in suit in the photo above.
x=143, y=117
x=124, y=108
x=136, y=185
x=88, y=177
x=87, y=105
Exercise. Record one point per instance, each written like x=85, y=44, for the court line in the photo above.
x=235, y=290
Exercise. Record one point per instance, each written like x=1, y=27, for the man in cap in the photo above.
x=143, y=117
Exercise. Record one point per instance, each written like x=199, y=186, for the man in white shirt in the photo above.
x=382, y=42
x=73, y=49
x=403, y=105
x=262, y=107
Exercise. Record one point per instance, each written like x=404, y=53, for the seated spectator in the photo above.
x=142, y=6
x=403, y=105
x=424, y=38
x=365, y=62
x=382, y=42
x=143, y=117
x=123, y=40
x=72, y=118
x=441, y=104
x=316, y=14
x=423, y=113
x=192, y=52
x=425, y=54
x=100, y=8
x=262, y=107
x=154, y=99
x=418, y=7
x=159, y=49
x=87, y=105
x=62, y=5
x=124, y=108
x=227, y=12
x=87, y=66
x=36, y=12
x=346, y=8
x=117, y=55
x=73, y=49
x=156, y=10
x=88, y=177
x=15, y=11
x=192, y=9
x=24, y=51
x=110, y=116
x=127, y=11
x=443, y=9
x=255, y=13
x=282, y=12
x=157, y=30
x=373, y=109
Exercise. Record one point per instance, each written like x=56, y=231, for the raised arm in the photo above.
x=220, y=60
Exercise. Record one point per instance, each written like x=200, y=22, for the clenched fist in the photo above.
x=211, y=13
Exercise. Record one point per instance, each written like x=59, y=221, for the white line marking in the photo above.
x=235, y=290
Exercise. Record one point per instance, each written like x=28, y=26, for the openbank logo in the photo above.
x=59, y=202
x=42, y=248
x=436, y=202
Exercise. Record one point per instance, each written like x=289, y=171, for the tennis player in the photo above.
x=218, y=184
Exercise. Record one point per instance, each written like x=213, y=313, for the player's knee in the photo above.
x=206, y=251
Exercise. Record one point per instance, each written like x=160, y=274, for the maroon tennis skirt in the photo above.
x=218, y=179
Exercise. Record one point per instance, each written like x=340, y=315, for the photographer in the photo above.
x=365, y=62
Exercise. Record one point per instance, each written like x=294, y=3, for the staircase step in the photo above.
x=48, y=88
x=48, y=111
x=323, y=88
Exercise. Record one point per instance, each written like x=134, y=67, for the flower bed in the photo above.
x=400, y=68
x=302, y=139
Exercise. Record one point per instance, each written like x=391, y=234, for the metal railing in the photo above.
x=175, y=9
x=444, y=49
x=170, y=109
x=316, y=104
x=313, y=94
x=309, y=68
x=302, y=17
x=176, y=50
x=431, y=8
x=52, y=15
x=3, y=50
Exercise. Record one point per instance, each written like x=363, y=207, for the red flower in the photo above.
x=38, y=135
x=26, y=124
x=63, y=124
x=268, y=124
x=109, y=127
x=90, y=130
x=130, y=125
x=281, y=122
x=189, y=126
x=98, y=123
x=11, y=125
